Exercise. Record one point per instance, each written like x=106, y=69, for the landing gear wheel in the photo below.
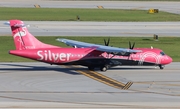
x=91, y=68
x=161, y=66
x=103, y=68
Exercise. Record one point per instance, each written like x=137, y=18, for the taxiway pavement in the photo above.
x=78, y=28
x=168, y=6
x=40, y=85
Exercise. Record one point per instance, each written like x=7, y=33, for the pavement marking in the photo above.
x=128, y=84
x=37, y=6
x=106, y=80
x=102, y=78
x=100, y=7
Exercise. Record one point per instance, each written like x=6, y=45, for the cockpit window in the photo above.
x=162, y=53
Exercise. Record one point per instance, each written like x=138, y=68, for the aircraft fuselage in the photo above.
x=84, y=56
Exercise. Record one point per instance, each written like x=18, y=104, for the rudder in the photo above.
x=23, y=39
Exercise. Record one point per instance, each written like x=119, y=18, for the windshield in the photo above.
x=162, y=53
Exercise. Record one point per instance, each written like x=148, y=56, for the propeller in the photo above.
x=106, y=43
x=131, y=47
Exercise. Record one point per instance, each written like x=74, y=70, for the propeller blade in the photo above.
x=129, y=45
x=106, y=43
x=133, y=45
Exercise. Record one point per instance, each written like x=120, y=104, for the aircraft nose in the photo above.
x=167, y=60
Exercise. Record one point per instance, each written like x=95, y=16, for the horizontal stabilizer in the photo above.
x=16, y=25
x=7, y=23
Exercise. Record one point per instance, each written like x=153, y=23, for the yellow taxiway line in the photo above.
x=106, y=80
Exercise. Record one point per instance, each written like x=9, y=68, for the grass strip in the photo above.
x=63, y=14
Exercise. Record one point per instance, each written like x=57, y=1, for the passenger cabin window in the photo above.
x=162, y=53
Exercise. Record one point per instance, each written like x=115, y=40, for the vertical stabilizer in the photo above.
x=23, y=39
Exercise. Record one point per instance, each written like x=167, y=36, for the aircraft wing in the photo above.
x=103, y=48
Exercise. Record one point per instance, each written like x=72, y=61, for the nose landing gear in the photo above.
x=161, y=66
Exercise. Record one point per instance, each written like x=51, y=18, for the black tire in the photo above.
x=103, y=68
x=161, y=67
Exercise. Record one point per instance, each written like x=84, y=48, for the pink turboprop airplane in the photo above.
x=85, y=54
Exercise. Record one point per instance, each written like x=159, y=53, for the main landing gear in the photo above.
x=161, y=66
x=102, y=68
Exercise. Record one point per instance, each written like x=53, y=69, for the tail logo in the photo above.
x=20, y=33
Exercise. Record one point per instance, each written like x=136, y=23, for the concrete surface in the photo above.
x=168, y=6
x=78, y=28
x=39, y=85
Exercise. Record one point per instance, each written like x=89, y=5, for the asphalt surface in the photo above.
x=35, y=84
x=168, y=6
x=78, y=28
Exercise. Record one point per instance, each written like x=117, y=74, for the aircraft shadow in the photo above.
x=133, y=68
x=69, y=70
